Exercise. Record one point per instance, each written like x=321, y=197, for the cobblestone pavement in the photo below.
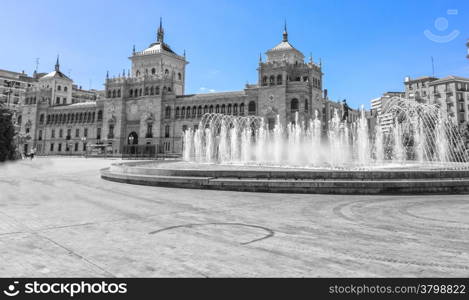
x=59, y=218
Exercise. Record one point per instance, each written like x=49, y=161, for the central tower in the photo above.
x=288, y=85
x=160, y=59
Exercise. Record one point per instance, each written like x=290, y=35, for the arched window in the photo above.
x=252, y=108
x=272, y=80
x=152, y=91
x=166, y=72
x=100, y=115
x=65, y=89
x=153, y=71
x=59, y=88
x=241, y=109
x=41, y=119
x=168, y=112
x=210, y=109
x=114, y=94
x=294, y=105
x=217, y=109
x=199, y=111
x=179, y=76
x=140, y=92
x=235, y=109
x=306, y=105
x=138, y=73
x=229, y=109
x=264, y=80
x=131, y=93
x=177, y=112
x=223, y=108
x=188, y=112
x=146, y=91
x=118, y=93
x=279, y=79
x=157, y=90
x=194, y=111
x=205, y=109
x=183, y=112
x=109, y=94
x=164, y=89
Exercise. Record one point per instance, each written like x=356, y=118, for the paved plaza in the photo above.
x=58, y=218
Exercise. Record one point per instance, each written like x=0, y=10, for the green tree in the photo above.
x=7, y=134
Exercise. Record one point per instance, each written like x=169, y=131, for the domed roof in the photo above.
x=157, y=47
x=284, y=47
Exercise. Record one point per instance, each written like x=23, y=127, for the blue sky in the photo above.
x=367, y=47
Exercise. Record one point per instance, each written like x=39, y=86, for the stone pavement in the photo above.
x=59, y=219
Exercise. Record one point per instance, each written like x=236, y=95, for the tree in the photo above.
x=7, y=134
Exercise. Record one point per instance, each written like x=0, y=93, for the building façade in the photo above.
x=148, y=109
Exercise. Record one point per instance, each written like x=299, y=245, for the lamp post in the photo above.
x=9, y=85
x=131, y=143
x=83, y=139
x=467, y=45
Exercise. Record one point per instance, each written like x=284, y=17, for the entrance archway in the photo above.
x=132, y=138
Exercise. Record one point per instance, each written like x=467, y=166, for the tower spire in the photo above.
x=57, y=64
x=160, y=34
x=285, y=33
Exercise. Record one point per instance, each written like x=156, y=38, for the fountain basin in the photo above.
x=392, y=179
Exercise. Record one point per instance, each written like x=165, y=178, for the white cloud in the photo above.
x=206, y=90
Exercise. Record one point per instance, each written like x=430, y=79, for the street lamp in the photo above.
x=9, y=85
x=467, y=44
x=131, y=143
x=83, y=139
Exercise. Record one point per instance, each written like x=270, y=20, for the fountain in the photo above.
x=421, y=151
x=419, y=136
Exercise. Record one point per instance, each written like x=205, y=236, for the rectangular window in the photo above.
x=149, y=130
x=57, y=101
x=69, y=134
x=51, y=147
x=166, y=131
x=77, y=132
x=111, y=132
x=60, y=133
x=98, y=133
x=52, y=134
x=85, y=134
x=60, y=147
x=76, y=147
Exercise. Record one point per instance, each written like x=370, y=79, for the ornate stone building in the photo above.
x=146, y=110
